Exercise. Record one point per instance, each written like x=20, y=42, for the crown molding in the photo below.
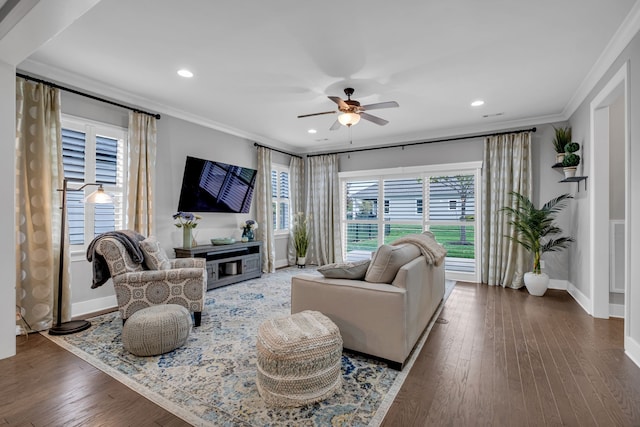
x=85, y=84
x=620, y=40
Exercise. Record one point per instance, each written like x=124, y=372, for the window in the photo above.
x=93, y=153
x=280, y=196
x=440, y=199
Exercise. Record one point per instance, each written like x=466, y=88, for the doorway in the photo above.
x=609, y=207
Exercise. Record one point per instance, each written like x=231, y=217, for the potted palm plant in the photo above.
x=301, y=238
x=536, y=231
x=562, y=138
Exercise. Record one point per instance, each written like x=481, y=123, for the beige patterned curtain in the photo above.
x=506, y=168
x=141, y=178
x=323, y=203
x=39, y=174
x=296, y=200
x=264, y=210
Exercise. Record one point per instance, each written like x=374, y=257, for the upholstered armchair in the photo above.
x=179, y=281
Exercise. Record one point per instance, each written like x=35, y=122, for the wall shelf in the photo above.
x=577, y=179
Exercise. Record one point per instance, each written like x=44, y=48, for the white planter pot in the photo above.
x=536, y=284
x=301, y=261
x=569, y=172
x=559, y=157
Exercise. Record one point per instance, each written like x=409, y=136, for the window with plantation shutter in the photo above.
x=380, y=206
x=93, y=153
x=280, y=195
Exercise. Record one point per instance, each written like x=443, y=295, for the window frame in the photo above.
x=279, y=168
x=92, y=129
x=425, y=173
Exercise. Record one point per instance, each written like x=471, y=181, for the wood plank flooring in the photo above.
x=497, y=357
x=500, y=357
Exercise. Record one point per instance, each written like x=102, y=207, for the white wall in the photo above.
x=7, y=222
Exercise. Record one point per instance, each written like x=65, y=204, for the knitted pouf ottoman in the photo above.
x=299, y=359
x=156, y=330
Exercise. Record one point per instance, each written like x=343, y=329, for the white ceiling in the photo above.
x=259, y=64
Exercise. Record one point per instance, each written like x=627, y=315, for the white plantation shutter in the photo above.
x=280, y=195
x=93, y=153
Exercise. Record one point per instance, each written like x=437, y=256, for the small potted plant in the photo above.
x=535, y=229
x=301, y=238
x=248, y=230
x=562, y=138
x=571, y=159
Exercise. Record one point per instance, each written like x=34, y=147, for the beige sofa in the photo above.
x=380, y=319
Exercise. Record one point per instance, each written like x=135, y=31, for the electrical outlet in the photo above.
x=541, y=263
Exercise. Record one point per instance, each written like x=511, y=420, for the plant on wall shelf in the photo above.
x=571, y=159
x=535, y=231
x=562, y=138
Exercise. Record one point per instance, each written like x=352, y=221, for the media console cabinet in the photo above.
x=227, y=264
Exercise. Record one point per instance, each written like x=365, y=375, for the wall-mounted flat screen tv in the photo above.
x=209, y=186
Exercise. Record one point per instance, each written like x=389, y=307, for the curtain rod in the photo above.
x=87, y=95
x=255, y=144
x=457, y=138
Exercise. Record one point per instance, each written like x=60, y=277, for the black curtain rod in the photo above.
x=255, y=144
x=87, y=95
x=457, y=138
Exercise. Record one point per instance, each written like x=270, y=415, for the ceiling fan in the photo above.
x=352, y=111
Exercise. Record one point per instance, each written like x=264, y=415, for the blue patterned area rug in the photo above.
x=211, y=379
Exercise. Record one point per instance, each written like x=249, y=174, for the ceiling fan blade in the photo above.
x=379, y=105
x=374, y=119
x=316, y=114
x=340, y=102
x=335, y=126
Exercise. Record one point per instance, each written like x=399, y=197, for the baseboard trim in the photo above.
x=558, y=284
x=580, y=298
x=83, y=308
x=616, y=310
x=632, y=350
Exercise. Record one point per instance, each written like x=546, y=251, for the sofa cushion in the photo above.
x=387, y=261
x=154, y=256
x=349, y=270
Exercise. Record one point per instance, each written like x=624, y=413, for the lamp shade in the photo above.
x=98, y=197
x=349, y=119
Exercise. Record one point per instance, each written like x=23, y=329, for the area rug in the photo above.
x=210, y=381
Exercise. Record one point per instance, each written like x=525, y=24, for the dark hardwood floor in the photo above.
x=497, y=357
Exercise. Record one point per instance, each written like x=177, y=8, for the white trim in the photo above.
x=599, y=199
x=616, y=310
x=279, y=263
x=580, y=298
x=375, y=173
x=558, y=284
x=93, y=305
x=632, y=349
x=620, y=40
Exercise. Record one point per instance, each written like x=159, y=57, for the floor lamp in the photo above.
x=97, y=197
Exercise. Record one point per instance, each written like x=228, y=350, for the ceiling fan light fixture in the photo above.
x=349, y=119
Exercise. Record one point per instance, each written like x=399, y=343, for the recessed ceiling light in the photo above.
x=185, y=73
x=477, y=103
x=312, y=131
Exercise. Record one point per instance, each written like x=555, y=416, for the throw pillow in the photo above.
x=349, y=270
x=387, y=261
x=154, y=256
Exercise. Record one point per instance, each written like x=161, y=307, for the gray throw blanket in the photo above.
x=433, y=251
x=128, y=238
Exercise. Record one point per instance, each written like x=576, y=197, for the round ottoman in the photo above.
x=157, y=329
x=299, y=359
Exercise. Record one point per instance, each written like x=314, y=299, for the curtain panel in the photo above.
x=323, y=204
x=39, y=175
x=264, y=212
x=296, y=200
x=506, y=168
x=141, y=173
